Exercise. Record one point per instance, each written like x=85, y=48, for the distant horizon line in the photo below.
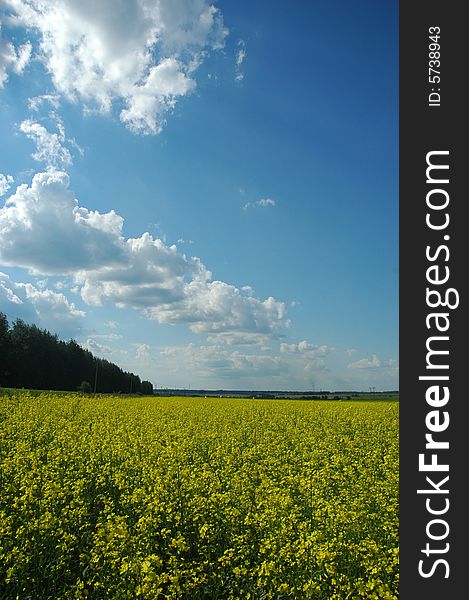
x=270, y=391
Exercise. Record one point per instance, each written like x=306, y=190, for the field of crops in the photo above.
x=196, y=498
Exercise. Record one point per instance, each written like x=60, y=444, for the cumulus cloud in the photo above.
x=5, y=183
x=50, y=310
x=7, y=295
x=138, y=55
x=49, y=146
x=149, y=101
x=210, y=360
x=149, y=275
x=12, y=58
x=46, y=301
x=43, y=228
x=215, y=307
x=310, y=356
x=262, y=203
x=366, y=363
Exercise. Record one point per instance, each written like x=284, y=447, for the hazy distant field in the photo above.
x=197, y=498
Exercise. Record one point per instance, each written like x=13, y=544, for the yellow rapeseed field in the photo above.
x=193, y=498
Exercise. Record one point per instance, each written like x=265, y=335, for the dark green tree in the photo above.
x=36, y=359
x=146, y=388
x=5, y=351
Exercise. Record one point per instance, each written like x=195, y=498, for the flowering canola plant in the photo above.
x=197, y=498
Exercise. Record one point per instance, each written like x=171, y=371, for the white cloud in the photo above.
x=41, y=283
x=36, y=102
x=262, y=203
x=309, y=356
x=106, y=336
x=305, y=347
x=50, y=310
x=207, y=361
x=215, y=307
x=7, y=295
x=97, y=348
x=46, y=302
x=8, y=58
x=42, y=228
x=239, y=339
x=150, y=101
x=12, y=59
x=241, y=54
x=222, y=366
x=240, y=57
x=49, y=146
x=23, y=58
x=5, y=183
x=150, y=274
x=142, y=353
x=366, y=363
x=284, y=347
x=139, y=54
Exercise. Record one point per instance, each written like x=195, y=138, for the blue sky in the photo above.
x=205, y=194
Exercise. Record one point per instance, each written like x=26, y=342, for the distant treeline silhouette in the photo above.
x=34, y=358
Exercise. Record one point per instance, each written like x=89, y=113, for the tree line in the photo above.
x=34, y=358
